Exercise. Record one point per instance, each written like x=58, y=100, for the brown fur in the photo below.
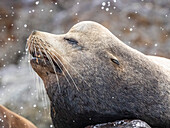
x=9, y=119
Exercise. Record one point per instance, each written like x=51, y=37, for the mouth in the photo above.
x=45, y=60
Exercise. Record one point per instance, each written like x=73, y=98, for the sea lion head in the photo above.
x=72, y=55
x=92, y=77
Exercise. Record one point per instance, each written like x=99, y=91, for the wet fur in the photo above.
x=98, y=90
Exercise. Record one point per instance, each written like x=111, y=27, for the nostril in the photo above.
x=34, y=32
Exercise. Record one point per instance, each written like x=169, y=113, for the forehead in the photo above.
x=86, y=26
x=81, y=27
x=89, y=28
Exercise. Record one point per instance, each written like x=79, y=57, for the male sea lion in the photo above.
x=92, y=77
x=9, y=119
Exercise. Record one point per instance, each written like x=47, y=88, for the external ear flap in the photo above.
x=113, y=58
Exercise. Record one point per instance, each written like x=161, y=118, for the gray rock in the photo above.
x=122, y=124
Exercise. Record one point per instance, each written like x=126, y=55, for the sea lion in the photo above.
x=92, y=77
x=9, y=119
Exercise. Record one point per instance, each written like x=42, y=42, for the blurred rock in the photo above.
x=16, y=26
x=7, y=44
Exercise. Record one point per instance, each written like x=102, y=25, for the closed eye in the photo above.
x=115, y=61
x=71, y=41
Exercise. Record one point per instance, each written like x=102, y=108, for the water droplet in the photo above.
x=34, y=105
x=102, y=7
x=156, y=45
x=108, y=4
x=103, y=4
x=37, y=2
x=107, y=9
x=25, y=25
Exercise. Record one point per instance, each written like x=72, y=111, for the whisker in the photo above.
x=52, y=64
x=29, y=44
x=73, y=68
x=40, y=89
x=41, y=54
x=67, y=72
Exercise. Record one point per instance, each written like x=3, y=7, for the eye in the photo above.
x=115, y=61
x=71, y=41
